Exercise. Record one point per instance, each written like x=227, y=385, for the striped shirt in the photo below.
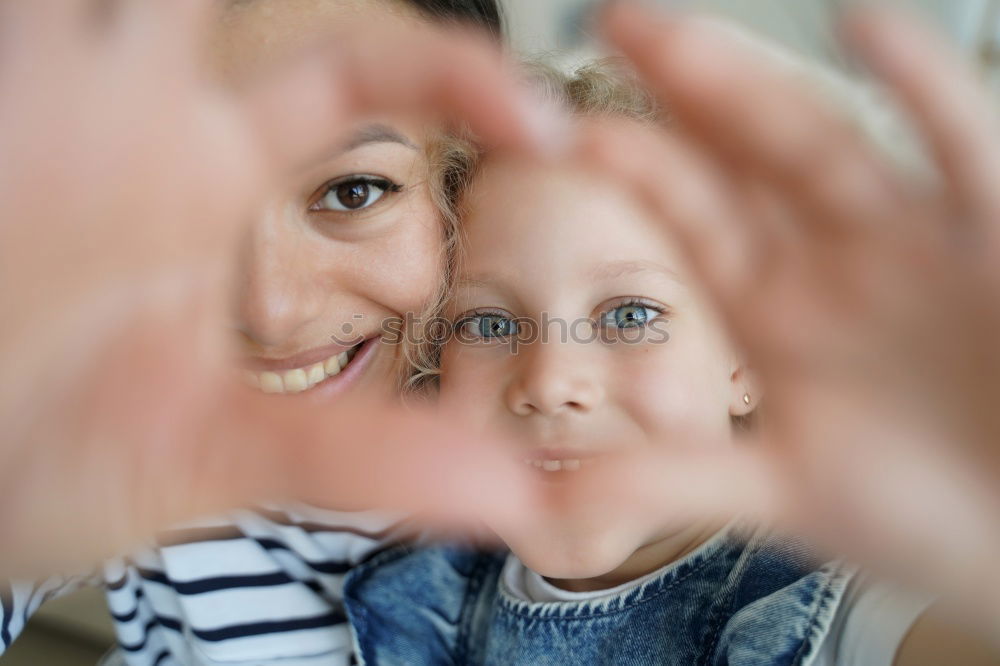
x=260, y=587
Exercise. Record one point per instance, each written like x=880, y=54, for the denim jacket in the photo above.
x=751, y=601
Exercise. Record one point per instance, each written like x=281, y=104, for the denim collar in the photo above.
x=669, y=576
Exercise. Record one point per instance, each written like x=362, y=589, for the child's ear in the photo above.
x=745, y=393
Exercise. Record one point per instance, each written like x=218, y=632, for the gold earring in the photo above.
x=746, y=398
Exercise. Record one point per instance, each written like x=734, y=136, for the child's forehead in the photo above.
x=559, y=211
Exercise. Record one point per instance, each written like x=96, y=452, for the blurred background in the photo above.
x=75, y=630
x=806, y=27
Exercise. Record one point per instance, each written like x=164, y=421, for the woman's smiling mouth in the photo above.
x=302, y=376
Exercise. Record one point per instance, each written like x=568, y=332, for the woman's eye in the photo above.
x=630, y=316
x=354, y=194
x=489, y=326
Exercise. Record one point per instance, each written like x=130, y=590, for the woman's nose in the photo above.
x=552, y=378
x=276, y=295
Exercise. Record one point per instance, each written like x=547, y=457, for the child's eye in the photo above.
x=631, y=315
x=353, y=193
x=488, y=326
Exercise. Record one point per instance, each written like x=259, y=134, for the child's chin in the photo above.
x=576, y=563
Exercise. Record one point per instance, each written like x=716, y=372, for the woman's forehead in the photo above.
x=255, y=33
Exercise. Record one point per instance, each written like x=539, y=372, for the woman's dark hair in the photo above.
x=484, y=14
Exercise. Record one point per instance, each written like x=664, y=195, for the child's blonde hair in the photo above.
x=452, y=160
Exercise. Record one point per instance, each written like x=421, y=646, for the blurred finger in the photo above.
x=301, y=109
x=361, y=455
x=24, y=20
x=691, y=198
x=178, y=27
x=946, y=100
x=734, y=98
x=42, y=32
x=670, y=486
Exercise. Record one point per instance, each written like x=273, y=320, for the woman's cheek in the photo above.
x=404, y=269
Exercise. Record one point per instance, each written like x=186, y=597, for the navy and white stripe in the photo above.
x=262, y=585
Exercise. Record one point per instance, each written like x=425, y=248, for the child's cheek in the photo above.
x=671, y=393
x=471, y=381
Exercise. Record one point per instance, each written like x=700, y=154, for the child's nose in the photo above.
x=554, y=378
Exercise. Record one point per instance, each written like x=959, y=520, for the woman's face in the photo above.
x=357, y=241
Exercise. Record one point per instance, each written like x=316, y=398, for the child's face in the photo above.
x=556, y=245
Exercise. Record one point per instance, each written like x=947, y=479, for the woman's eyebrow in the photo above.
x=376, y=133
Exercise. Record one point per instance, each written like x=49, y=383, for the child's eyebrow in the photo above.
x=616, y=269
x=603, y=271
x=476, y=281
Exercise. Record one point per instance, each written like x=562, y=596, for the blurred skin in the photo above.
x=120, y=229
x=552, y=243
x=120, y=224
x=865, y=301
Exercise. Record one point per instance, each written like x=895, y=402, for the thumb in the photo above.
x=360, y=454
x=668, y=486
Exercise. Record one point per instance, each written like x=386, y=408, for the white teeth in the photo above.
x=295, y=381
x=299, y=379
x=571, y=465
x=315, y=374
x=270, y=382
x=551, y=465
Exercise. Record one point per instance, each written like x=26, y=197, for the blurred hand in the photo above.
x=867, y=304
x=125, y=179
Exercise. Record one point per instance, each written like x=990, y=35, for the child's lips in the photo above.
x=548, y=465
x=552, y=461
